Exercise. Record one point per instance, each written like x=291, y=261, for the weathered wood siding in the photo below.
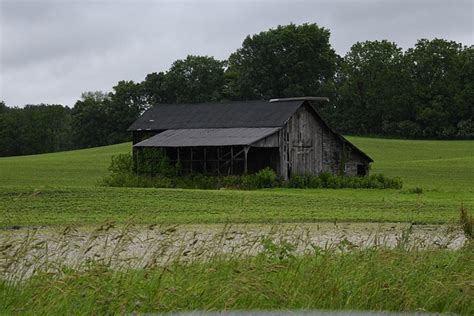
x=307, y=146
x=354, y=163
x=301, y=144
x=269, y=141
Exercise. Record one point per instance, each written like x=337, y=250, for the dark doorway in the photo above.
x=361, y=170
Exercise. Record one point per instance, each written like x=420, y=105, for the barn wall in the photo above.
x=340, y=157
x=307, y=146
x=268, y=142
x=301, y=144
x=356, y=164
x=332, y=152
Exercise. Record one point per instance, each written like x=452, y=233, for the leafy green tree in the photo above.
x=291, y=60
x=372, y=89
x=3, y=107
x=124, y=106
x=154, y=90
x=194, y=79
x=464, y=98
x=9, y=126
x=441, y=78
x=89, y=120
x=34, y=129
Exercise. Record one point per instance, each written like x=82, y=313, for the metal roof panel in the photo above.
x=207, y=137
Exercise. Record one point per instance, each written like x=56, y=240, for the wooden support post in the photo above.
x=191, y=158
x=153, y=162
x=218, y=161
x=246, y=150
x=135, y=156
x=205, y=166
x=231, y=159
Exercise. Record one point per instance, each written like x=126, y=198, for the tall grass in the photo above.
x=466, y=222
x=277, y=269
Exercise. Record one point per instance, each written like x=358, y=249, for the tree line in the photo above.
x=377, y=88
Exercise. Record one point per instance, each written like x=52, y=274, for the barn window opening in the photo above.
x=361, y=170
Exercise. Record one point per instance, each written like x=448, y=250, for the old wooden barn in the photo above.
x=225, y=138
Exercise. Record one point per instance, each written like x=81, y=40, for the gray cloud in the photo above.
x=51, y=51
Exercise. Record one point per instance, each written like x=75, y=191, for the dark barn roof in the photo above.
x=179, y=120
x=207, y=137
x=216, y=115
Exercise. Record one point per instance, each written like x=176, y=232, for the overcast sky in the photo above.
x=52, y=51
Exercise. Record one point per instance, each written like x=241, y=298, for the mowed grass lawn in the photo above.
x=62, y=188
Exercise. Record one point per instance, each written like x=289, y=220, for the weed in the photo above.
x=467, y=222
x=415, y=190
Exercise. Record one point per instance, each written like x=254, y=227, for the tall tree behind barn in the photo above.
x=287, y=135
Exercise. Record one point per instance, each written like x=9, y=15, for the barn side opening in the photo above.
x=262, y=157
x=206, y=160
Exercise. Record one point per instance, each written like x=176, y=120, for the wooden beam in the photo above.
x=205, y=166
x=137, y=163
x=246, y=150
x=191, y=157
x=231, y=159
x=218, y=161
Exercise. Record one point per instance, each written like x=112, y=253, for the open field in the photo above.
x=339, y=249
x=96, y=205
x=430, y=164
x=61, y=188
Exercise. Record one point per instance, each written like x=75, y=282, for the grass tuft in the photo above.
x=467, y=222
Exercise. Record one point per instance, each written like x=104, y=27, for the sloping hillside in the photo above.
x=447, y=165
x=70, y=168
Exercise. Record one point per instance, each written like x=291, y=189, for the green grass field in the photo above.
x=62, y=188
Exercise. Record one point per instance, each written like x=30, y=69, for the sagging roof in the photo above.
x=247, y=114
x=207, y=137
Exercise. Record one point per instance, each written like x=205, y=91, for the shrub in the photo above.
x=265, y=178
x=249, y=182
x=123, y=175
x=121, y=164
x=297, y=182
x=165, y=168
x=231, y=182
x=314, y=182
